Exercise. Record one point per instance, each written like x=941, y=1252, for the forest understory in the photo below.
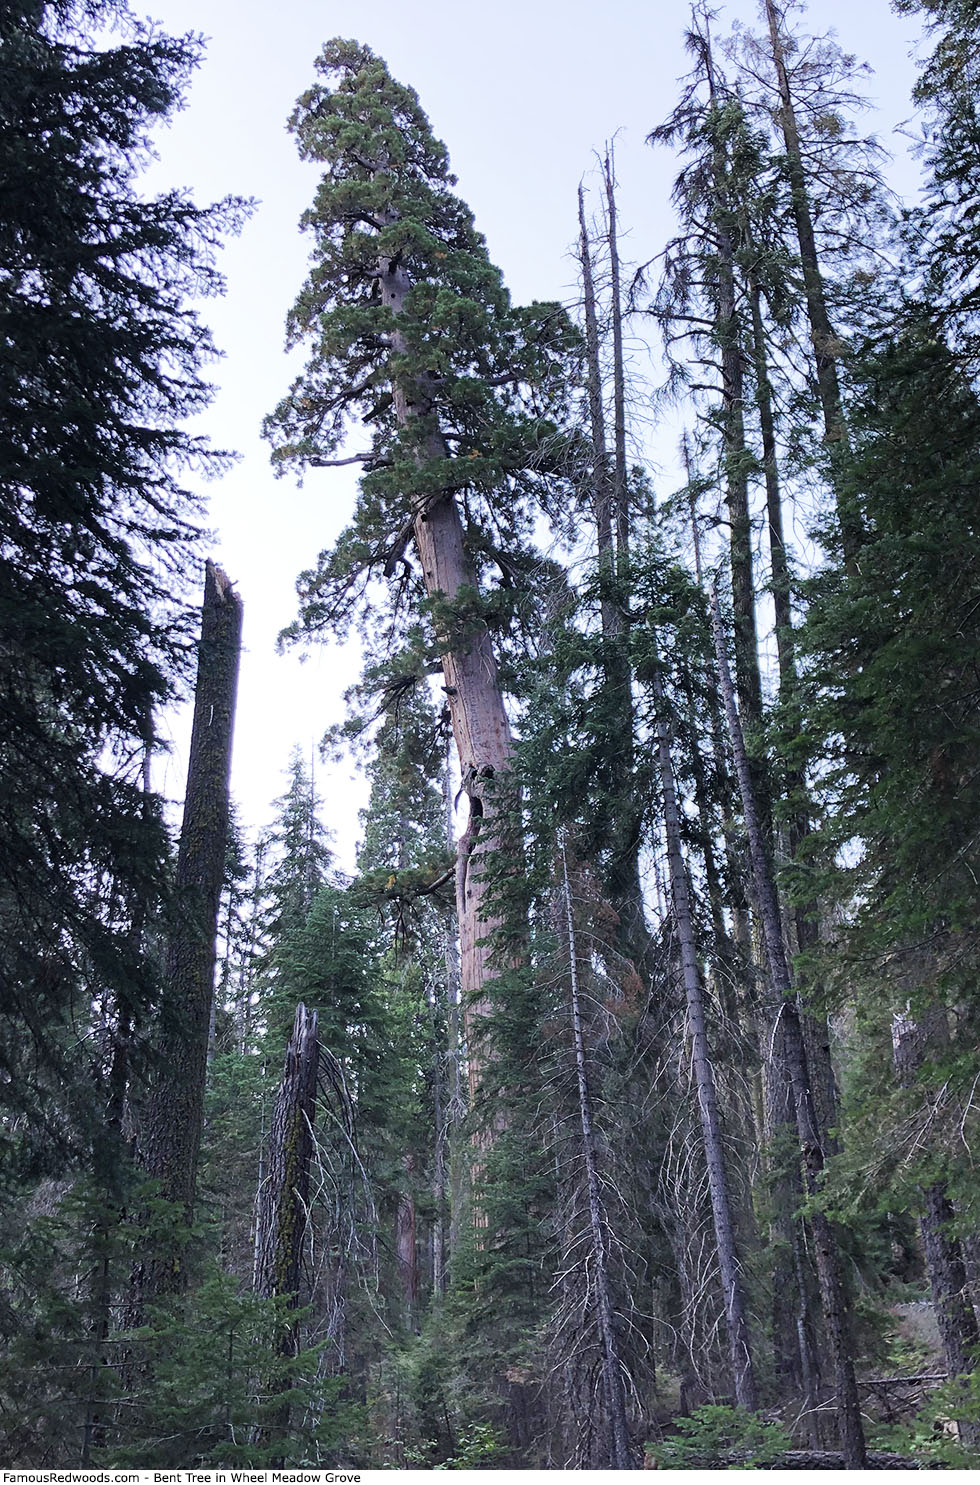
x=618, y=1109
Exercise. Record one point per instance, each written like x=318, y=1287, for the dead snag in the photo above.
x=171, y=1135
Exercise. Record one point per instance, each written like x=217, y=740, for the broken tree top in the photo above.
x=223, y=585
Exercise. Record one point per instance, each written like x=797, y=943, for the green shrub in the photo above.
x=477, y=1448
x=714, y=1434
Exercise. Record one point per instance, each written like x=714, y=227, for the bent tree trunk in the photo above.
x=172, y=1131
x=829, y=1271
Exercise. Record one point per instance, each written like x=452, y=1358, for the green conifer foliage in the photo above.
x=493, y=374
x=946, y=226
x=895, y=647
x=329, y=962
x=298, y=853
x=102, y=359
x=405, y=823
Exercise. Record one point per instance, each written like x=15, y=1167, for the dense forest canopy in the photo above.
x=615, y=1101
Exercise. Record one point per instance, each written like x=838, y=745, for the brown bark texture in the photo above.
x=406, y=1252
x=283, y=1220
x=479, y=720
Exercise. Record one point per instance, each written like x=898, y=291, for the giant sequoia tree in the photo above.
x=411, y=331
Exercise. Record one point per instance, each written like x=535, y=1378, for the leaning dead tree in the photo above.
x=171, y=1134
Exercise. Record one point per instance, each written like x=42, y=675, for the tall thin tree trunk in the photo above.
x=824, y=347
x=406, y=1248
x=780, y=585
x=440, y=1131
x=795, y=1350
x=175, y=1116
x=243, y=1007
x=456, y=1098
x=805, y=915
x=740, y=1348
x=739, y=942
x=829, y=1269
x=728, y=329
x=612, y=1372
x=789, y=1315
x=821, y=331
x=602, y=493
x=822, y=338
x=728, y=969
x=620, y=486
x=107, y=1163
x=610, y=500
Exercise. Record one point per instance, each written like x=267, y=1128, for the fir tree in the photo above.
x=944, y=230
x=103, y=359
x=297, y=851
x=894, y=662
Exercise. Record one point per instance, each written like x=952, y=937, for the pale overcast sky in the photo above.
x=523, y=92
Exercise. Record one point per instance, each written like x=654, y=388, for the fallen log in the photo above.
x=820, y=1459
